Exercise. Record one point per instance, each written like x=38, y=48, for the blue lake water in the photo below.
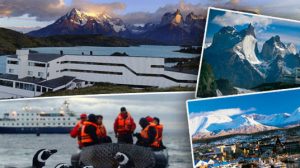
x=143, y=50
x=2, y=64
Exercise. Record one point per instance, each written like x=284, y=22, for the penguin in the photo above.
x=40, y=157
x=124, y=160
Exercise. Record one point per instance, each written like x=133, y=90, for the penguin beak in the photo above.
x=52, y=151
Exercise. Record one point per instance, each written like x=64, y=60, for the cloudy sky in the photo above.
x=169, y=107
x=32, y=14
x=263, y=103
x=265, y=27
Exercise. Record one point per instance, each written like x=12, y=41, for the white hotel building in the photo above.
x=32, y=74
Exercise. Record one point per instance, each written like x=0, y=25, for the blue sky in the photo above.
x=265, y=27
x=265, y=103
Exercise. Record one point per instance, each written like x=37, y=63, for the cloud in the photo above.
x=49, y=10
x=223, y=112
x=154, y=17
x=237, y=19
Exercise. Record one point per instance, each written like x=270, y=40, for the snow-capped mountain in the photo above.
x=79, y=22
x=173, y=28
x=243, y=64
x=239, y=57
x=273, y=48
x=214, y=125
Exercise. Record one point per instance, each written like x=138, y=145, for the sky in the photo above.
x=34, y=14
x=262, y=103
x=265, y=27
x=169, y=107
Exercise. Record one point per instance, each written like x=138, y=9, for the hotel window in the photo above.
x=30, y=63
x=6, y=83
x=30, y=73
x=12, y=62
x=40, y=74
x=38, y=88
x=11, y=70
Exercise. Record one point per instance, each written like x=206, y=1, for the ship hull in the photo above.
x=35, y=130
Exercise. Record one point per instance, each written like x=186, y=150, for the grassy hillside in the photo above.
x=106, y=88
x=11, y=40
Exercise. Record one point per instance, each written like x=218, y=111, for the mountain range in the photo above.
x=173, y=28
x=243, y=64
x=217, y=125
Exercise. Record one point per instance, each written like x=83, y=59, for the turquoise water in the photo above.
x=2, y=64
x=143, y=50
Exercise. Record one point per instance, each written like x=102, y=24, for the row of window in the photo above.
x=37, y=124
x=37, y=64
x=90, y=71
x=63, y=119
x=6, y=83
x=40, y=74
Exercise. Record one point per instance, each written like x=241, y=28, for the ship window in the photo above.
x=53, y=118
x=44, y=89
x=74, y=123
x=27, y=114
x=69, y=124
x=12, y=124
x=69, y=118
x=17, y=123
x=64, y=123
x=27, y=119
x=49, y=124
x=32, y=114
x=44, y=124
x=58, y=123
x=32, y=124
x=22, y=123
x=58, y=119
x=3, y=124
x=64, y=119
x=27, y=123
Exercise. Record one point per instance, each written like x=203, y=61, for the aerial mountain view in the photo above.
x=63, y=47
x=246, y=130
x=248, y=53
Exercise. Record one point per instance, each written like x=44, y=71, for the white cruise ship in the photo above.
x=32, y=121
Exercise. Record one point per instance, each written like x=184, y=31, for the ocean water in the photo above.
x=17, y=150
x=143, y=50
x=2, y=64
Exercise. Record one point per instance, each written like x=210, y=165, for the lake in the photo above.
x=143, y=50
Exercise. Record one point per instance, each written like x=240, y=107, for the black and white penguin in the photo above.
x=40, y=157
x=124, y=160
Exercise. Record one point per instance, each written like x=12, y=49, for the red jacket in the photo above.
x=128, y=124
x=75, y=131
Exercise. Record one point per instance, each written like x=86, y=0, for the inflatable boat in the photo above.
x=114, y=155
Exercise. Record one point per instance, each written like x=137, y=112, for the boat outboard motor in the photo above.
x=40, y=157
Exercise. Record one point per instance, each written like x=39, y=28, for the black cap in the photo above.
x=99, y=116
x=123, y=109
x=157, y=119
x=92, y=118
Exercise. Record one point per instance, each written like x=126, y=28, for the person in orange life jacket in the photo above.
x=89, y=131
x=149, y=119
x=159, y=129
x=147, y=135
x=124, y=127
x=102, y=134
x=75, y=132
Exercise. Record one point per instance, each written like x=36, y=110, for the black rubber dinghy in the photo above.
x=120, y=155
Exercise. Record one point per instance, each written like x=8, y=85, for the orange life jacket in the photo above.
x=101, y=131
x=144, y=134
x=79, y=125
x=86, y=138
x=124, y=125
x=159, y=135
